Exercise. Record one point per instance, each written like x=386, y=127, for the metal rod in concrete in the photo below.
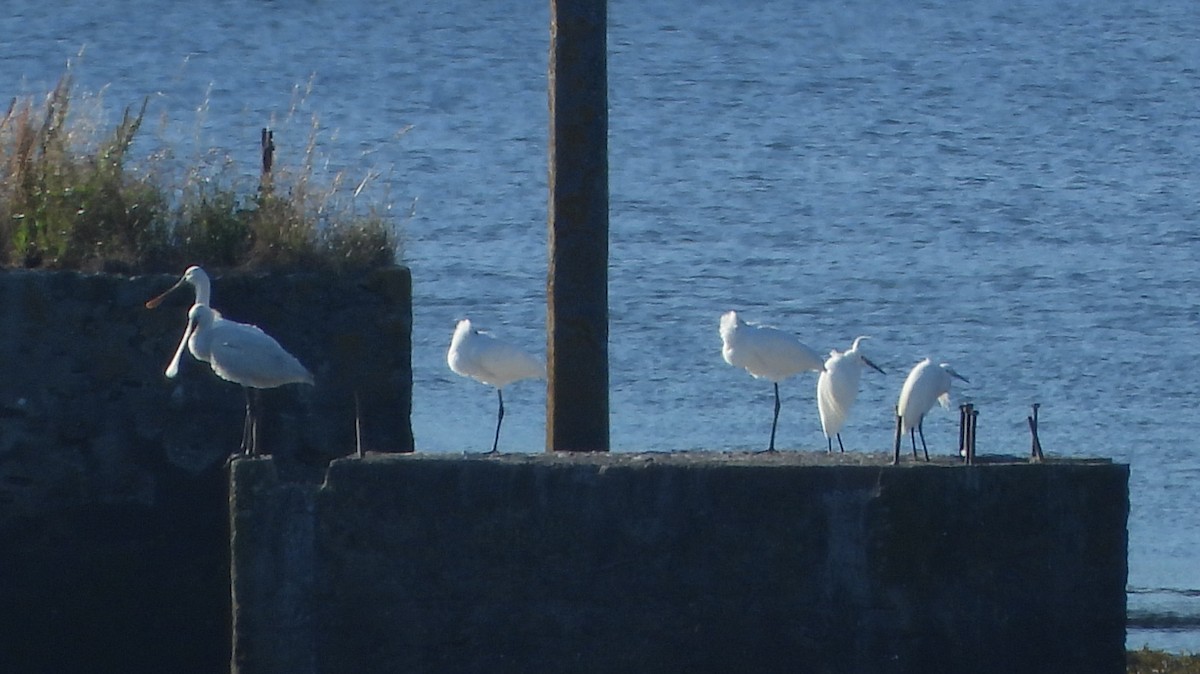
x=974, y=433
x=577, y=282
x=962, y=433
x=358, y=448
x=899, y=436
x=1035, y=450
x=968, y=411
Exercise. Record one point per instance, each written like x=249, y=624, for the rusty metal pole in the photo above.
x=962, y=433
x=577, y=282
x=266, y=181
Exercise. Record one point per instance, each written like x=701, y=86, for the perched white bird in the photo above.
x=245, y=355
x=198, y=279
x=491, y=361
x=837, y=388
x=766, y=353
x=926, y=384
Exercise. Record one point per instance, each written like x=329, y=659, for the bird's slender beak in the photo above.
x=173, y=368
x=873, y=365
x=155, y=301
x=959, y=376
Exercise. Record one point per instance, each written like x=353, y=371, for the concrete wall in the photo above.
x=671, y=563
x=113, y=492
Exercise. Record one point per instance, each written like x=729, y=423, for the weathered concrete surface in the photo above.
x=113, y=494
x=670, y=563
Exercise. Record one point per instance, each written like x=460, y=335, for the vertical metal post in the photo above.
x=1035, y=452
x=577, y=282
x=266, y=181
x=974, y=429
x=962, y=433
x=968, y=433
x=899, y=437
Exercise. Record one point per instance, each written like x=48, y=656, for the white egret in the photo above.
x=491, y=361
x=198, y=279
x=926, y=383
x=245, y=355
x=766, y=353
x=837, y=388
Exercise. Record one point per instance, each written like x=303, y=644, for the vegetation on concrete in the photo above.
x=1147, y=661
x=72, y=197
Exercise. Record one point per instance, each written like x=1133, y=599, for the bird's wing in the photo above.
x=837, y=389
x=782, y=353
x=944, y=400
x=502, y=363
x=246, y=355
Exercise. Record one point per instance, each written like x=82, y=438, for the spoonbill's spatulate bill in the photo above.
x=837, y=388
x=926, y=384
x=245, y=355
x=490, y=361
x=766, y=353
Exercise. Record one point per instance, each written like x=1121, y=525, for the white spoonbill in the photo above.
x=491, y=361
x=245, y=355
x=198, y=279
x=766, y=353
x=926, y=384
x=837, y=388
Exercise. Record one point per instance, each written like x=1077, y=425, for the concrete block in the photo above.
x=685, y=562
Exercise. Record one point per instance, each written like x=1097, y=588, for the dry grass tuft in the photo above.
x=69, y=200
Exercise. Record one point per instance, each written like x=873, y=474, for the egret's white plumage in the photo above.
x=243, y=354
x=491, y=361
x=198, y=279
x=926, y=384
x=766, y=353
x=837, y=389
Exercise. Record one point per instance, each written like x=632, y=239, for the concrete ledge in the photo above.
x=679, y=562
x=113, y=493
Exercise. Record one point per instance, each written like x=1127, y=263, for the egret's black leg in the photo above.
x=775, y=421
x=841, y=447
x=921, y=430
x=499, y=418
x=253, y=405
x=246, y=424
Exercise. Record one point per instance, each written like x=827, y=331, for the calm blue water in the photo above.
x=1009, y=186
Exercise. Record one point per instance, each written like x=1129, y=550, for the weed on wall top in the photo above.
x=69, y=200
